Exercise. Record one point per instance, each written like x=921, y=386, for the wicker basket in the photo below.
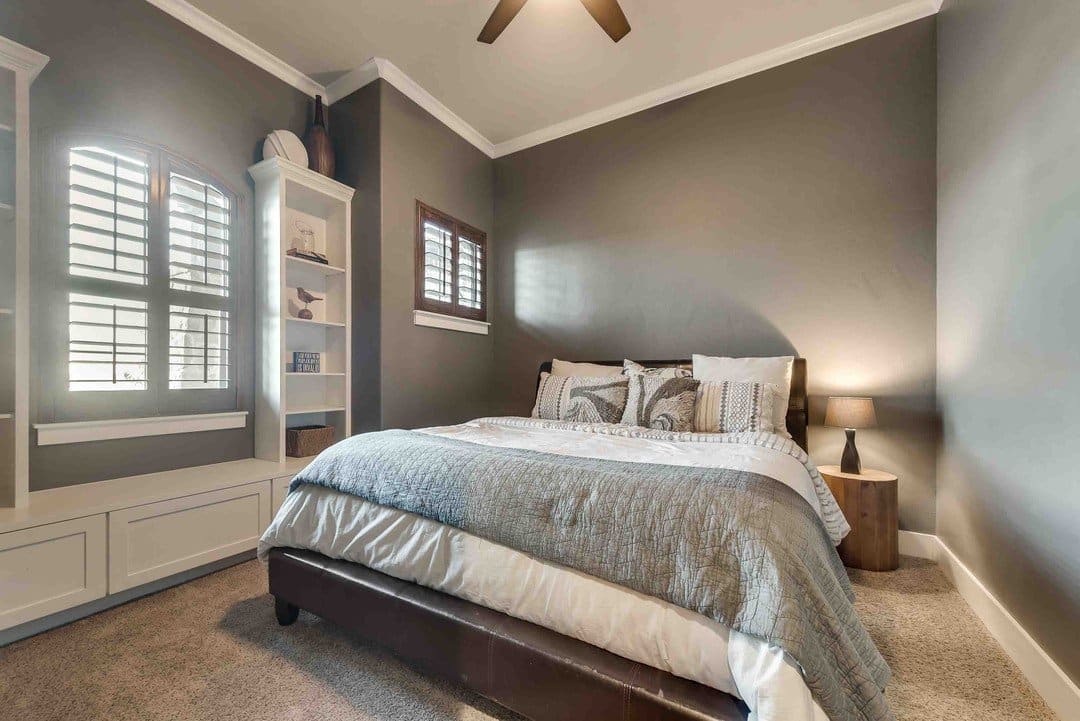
x=303, y=441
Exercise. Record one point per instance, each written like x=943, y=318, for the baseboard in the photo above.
x=70, y=615
x=1056, y=688
x=920, y=545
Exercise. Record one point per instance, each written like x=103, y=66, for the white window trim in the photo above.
x=450, y=322
x=52, y=434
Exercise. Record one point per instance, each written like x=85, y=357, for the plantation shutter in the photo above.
x=470, y=274
x=438, y=260
x=148, y=246
x=198, y=236
x=108, y=215
x=451, y=268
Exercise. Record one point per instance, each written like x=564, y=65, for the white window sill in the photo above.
x=449, y=322
x=52, y=434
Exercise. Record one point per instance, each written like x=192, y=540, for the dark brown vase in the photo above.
x=317, y=141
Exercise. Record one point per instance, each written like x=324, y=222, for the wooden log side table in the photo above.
x=870, y=505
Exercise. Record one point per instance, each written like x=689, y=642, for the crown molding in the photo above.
x=21, y=58
x=377, y=67
x=840, y=35
x=352, y=81
x=374, y=68
x=218, y=32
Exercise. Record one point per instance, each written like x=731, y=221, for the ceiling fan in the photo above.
x=607, y=14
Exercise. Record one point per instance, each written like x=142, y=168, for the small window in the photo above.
x=451, y=265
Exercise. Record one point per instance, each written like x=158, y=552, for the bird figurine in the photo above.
x=306, y=298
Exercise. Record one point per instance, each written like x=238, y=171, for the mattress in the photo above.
x=617, y=619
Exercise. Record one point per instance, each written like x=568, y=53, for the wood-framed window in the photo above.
x=451, y=265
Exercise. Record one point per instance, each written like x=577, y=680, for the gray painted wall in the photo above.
x=790, y=211
x=354, y=129
x=126, y=68
x=429, y=376
x=1008, y=327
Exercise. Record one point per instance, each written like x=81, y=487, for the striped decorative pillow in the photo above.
x=734, y=407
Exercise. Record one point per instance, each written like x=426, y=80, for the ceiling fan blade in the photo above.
x=610, y=17
x=501, y=16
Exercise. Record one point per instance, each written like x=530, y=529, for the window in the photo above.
x=451, y=265
x=148, y=282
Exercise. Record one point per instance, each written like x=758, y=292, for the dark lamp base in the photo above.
x=849, y=462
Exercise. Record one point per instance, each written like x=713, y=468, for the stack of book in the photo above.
x=305, y=362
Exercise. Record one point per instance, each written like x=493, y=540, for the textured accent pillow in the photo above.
x=581, y=398
x=589, y=370
x=734, y=407
x=776, y=370
x=666, y=404
x=631, y=368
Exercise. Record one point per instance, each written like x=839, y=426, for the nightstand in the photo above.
x=870, y=505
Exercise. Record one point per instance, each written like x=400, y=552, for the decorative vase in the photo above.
x=317, y=141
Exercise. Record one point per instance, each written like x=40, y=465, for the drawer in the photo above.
x=281, y=489
x=159, y=539
x=50, y=568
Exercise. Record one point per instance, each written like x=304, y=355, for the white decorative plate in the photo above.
x=287, y=145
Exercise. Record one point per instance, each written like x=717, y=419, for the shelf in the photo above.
x=314, y=409
x=325, y=269
x=315, y=375
x=324, y=323
x=5, y=416
x=7, y=211
x=7, y=311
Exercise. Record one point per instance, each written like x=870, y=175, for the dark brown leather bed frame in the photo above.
x=538, y=673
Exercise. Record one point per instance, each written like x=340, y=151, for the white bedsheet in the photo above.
x=630, y=624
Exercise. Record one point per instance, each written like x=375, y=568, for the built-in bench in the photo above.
x=73, y=551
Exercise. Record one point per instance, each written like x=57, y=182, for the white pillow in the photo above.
x=776, y=371
x=590, y=370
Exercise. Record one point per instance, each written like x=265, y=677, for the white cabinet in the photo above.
x=280, y=490
x=50, y=568
x=160, y=539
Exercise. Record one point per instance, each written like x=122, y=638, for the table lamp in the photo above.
x=850, y=413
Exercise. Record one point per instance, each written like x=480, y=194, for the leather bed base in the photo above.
x=538, y=673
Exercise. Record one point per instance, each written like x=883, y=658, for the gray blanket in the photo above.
x=737, y=547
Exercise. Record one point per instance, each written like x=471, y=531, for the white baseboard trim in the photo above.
x=920, y=545
x=1056, y=688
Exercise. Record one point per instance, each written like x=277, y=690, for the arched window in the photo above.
x=148, y=287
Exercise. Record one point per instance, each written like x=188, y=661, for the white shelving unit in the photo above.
x=288, y=198
x=19, y=66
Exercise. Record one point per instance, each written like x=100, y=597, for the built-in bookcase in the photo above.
x=19, y=66
x=292, y=204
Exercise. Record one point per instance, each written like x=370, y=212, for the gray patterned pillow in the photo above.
x=735, y=406
x=665, y=404
x=631, y=368
x=581, y=398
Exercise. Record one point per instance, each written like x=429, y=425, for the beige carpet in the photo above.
x=210, y=649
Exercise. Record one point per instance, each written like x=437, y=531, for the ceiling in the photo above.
x=551, y=65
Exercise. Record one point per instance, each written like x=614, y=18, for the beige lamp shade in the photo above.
x=847, y=412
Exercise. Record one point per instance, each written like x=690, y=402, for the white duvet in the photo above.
x=630, y=624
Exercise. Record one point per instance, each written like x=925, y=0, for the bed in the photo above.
x=375, y=544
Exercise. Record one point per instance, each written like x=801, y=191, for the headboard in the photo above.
x=797, y=412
